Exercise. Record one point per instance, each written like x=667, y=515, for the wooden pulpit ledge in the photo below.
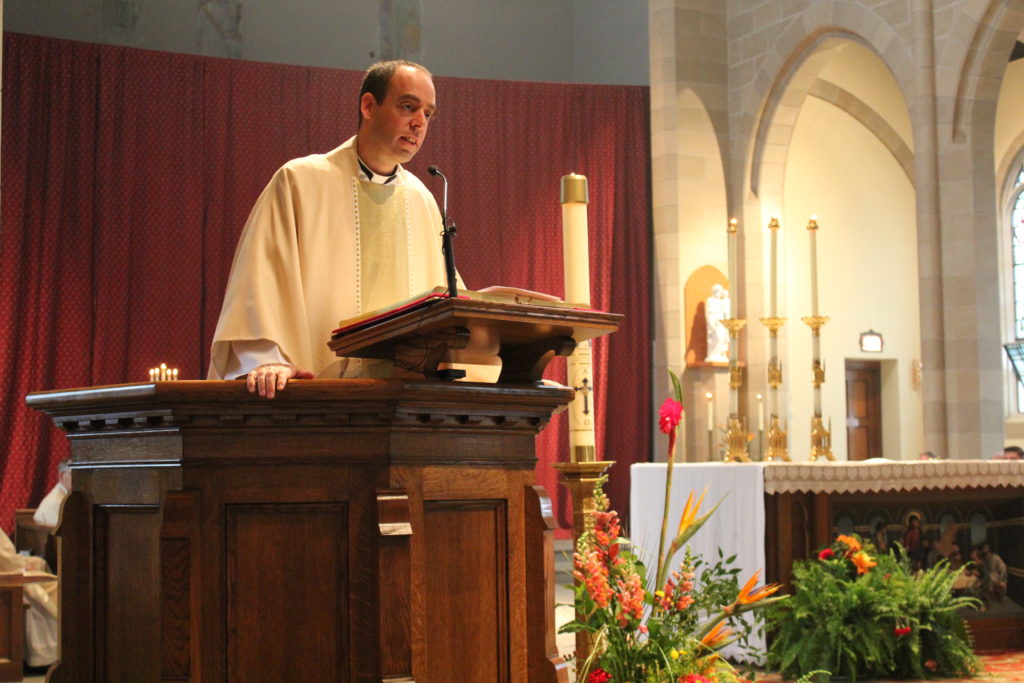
x=522, y=338
x=347, y=530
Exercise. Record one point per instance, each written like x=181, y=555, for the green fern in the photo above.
x=885, y=622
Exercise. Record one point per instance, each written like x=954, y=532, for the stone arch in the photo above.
x=799, y=41
x=989, y=42
x=784, y=100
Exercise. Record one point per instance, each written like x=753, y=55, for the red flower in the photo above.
x=931, y=665
x=826, y=554
x=599, y=675
x=901, y=631
x=694, y=678
x=669, y=416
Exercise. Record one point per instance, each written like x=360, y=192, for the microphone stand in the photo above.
x=448, y=231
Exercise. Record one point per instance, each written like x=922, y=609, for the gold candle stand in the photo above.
x=737, y=441
x=821, y=438
x=777, y=438
x=736, y=434
x=579, y=478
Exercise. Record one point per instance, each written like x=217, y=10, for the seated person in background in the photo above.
x=995, y=573
x=48, y=512
x=912, y=537
x=1011, y=453
x=880, y=538
x=40, y=601
x=927, y=455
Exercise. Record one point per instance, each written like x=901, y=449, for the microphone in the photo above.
x=447, y=233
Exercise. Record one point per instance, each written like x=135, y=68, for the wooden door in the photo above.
x=863, y=409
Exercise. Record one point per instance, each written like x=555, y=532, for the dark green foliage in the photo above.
x=882, y=623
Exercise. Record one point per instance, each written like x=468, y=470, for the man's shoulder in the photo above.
x=413, y=181
x=341, y=159
x=312, y=164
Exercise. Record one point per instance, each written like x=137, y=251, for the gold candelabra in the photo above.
x=736, y=435
x=737, y=441
x=821, y=438
x=777, y=437
x=777, y=441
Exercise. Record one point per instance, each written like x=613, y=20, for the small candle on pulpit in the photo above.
x=711, y=411
x=163, y=372
x=152, y=374
x=174, y=374
x=732, y=266
x=760, y=413
x=812, y=229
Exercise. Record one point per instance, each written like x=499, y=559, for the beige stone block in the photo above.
x=664, y=166
x=741, y=24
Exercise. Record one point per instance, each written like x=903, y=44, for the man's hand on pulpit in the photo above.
x=273, y=377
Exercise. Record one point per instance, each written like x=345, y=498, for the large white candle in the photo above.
x=773, y=228
x=812, y=229
x=732, y=268
x=711, y=411
x=579, y=368
x=760, y=413
x=575, y=241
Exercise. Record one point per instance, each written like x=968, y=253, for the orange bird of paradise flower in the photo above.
x=718, y=635
x=748, y=595
x=863, y=562
x=852, y=543
x=690, y=512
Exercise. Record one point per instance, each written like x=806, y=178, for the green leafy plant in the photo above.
x=858, y=614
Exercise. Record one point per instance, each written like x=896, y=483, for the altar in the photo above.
x=774, y=513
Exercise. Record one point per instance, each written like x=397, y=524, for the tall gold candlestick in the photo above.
x=576, y=249
x=821, y=438
x=777, y=439
x=736, y=429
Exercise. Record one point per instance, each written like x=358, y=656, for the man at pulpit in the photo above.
x=332, y=236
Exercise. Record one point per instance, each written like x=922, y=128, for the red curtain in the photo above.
x=128, y=174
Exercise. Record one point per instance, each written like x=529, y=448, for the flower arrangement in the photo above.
x=673, y=630
x=861, y=614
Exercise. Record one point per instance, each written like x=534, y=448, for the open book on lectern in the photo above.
x=431, y=297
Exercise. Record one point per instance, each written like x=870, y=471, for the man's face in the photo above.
x=393, y=131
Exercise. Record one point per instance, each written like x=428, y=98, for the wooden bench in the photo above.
x=12, y=631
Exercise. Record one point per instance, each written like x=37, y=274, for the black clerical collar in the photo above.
x=367, y=174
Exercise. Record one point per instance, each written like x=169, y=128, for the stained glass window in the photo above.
x=1017, y=255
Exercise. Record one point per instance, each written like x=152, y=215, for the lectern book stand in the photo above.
x=348, y=530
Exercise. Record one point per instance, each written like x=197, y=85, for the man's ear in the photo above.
x=367, y=105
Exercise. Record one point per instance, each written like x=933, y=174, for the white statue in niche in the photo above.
x=716, y=309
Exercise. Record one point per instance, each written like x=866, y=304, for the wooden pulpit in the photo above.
x=347, y=530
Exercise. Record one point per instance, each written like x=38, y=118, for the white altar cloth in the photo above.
x=737, y=527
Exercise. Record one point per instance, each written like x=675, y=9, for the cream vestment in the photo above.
x=40, y=601
x=324, y=243
x=48, y=511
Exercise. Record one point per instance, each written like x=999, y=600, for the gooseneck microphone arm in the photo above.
x=448, y=230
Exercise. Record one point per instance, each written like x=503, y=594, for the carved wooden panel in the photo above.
x=178, y=570
x=467, y=590
x=12, y=633
x=287, y=592
x=127, y=616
